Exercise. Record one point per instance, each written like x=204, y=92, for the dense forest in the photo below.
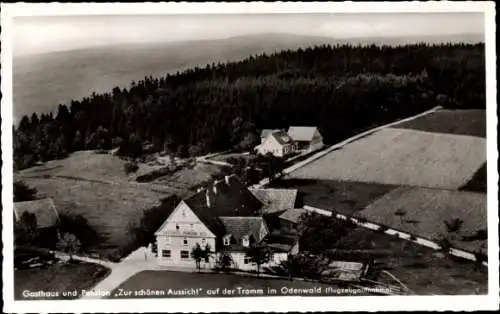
x=342, y=90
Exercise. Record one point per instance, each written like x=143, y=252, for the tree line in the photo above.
x=341, y=89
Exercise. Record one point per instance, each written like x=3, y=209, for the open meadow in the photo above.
x=96, y=187
x=459, y=122
x=344, y=197
x=402, y=157
x=422, y=269
x=423, y=212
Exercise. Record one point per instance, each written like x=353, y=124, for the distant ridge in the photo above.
x=43, y=81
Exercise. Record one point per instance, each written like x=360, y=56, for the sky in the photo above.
x=45, y=34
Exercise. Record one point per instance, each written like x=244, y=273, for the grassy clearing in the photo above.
x=191, y=176
x=84, y=165
x=109, y=208
x=96, y=186
x=421, y=269
x=478, y=182
x=227, y=157
x=165, y=280
x=342, y=196
x=459, y=122
x=425, y=210
x=59, y=277
x=402, y=157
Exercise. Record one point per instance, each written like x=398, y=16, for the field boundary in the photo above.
x=394, y=232
x=322, y=153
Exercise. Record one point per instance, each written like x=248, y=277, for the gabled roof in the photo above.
x=264, y=133
x=293, y=214
x=275, y=200
x=240, y=227
x=44, y=210
x=282, y=137
x=302, y=133
x=229, y=200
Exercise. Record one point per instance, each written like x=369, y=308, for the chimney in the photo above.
x=207, y=195
x=227, y=179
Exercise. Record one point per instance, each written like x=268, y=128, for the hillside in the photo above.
x=342, y=90
x=43, y=81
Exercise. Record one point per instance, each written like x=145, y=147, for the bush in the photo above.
x=131, y=167
x=150, y=176
x=79, y=226
x=22, y=192
x=383, y=228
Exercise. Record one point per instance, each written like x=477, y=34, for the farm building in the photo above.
x=43, y=216
x=277, y=143
x=307, y=138
x=225, y=216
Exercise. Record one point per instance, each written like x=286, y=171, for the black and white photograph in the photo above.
x=249, y=157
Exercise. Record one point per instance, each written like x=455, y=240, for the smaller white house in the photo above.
x=307, y=138
x=278, y=143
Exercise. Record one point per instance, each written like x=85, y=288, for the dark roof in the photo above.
x=282, y=137
x=229, y=200
x=275, y=200
x=44, y=210
x=281, y=242
x=239, y=227
x=266, y=132
x=302, y=133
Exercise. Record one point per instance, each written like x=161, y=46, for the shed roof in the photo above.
x=293, y=214
x=275, y=200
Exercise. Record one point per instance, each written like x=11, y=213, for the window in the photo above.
x=185, y=242
x=154, y=247
x=203, y=241
x=184, y=254
x=227, y=241
x=247, y=260
x=166, y=253
x=183, y=213
x=245, y=241
x=177, y=227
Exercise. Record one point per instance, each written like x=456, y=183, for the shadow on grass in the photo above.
x=478, y=182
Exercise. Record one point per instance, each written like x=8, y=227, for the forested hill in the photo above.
x=342, y=90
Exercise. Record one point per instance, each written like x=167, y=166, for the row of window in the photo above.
x=168, y=253
x=168, y=240
x=185, y=255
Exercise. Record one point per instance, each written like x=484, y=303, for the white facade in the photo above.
x=179, y=235
x=241, y=261
x=271, y=145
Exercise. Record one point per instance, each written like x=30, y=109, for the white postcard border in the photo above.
x=249, y=304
